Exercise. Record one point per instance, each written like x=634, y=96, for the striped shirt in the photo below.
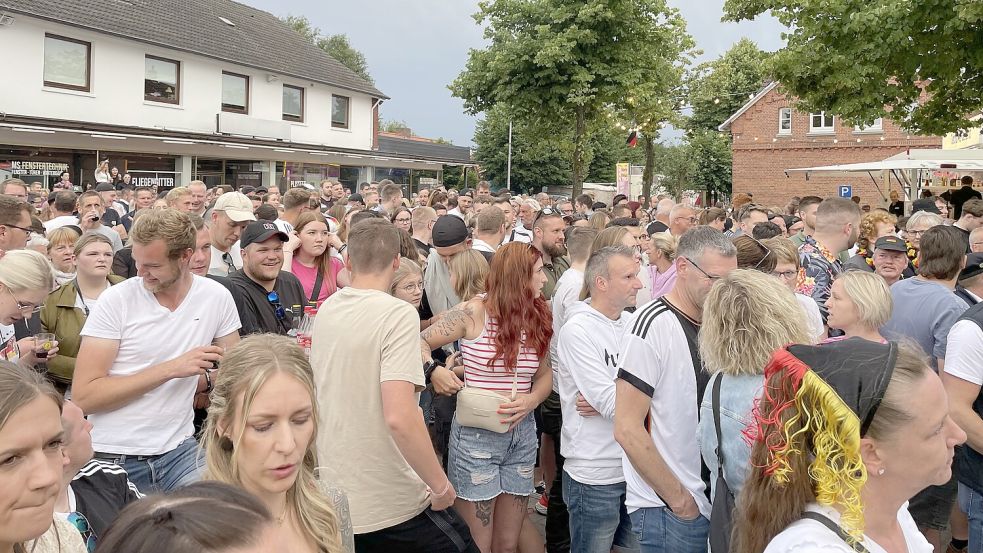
x=481, y=372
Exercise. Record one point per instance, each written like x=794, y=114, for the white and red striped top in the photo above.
x=479, y=352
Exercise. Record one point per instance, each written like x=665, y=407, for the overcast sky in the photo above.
x=415, y=48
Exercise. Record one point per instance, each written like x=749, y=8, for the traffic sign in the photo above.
x=846, y=191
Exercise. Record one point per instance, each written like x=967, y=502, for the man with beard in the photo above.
x=146, y=349
x=232, y=212
x=547, y=237
x=272, y=298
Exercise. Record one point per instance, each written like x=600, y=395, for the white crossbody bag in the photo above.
x=478, y=408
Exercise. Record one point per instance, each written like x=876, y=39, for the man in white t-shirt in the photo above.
x=963, y=380
x=568, y=288
x=145, y=351
x=660, y=383
x=593, y=480
x=232, y=212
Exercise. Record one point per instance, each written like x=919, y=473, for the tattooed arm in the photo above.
x=450, y=326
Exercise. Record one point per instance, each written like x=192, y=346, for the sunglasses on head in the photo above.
x=278, y=309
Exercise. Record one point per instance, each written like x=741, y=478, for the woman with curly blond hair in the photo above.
x=874, y=225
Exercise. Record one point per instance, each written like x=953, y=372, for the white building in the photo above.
x=170, y=91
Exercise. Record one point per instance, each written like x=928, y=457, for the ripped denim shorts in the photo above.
x=483, y=465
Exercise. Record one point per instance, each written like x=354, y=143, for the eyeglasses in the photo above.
x=785, y=275
x=411, y=287
x=692, y=220
x=916, y=232
x=23, y=307
x=403, y=220
x=712, y=278
x=278, y=309
x=27, y=230
x=81, y=524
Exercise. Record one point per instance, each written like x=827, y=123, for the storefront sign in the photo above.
x=34, y=168
x=159, y=183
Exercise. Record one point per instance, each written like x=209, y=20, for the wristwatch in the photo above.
x=428, y=368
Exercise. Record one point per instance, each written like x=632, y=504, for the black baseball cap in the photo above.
x=105, y=187
x=260, y=231
x=449, y=230
x=974, y=266
x=356, y=198
x=890, y=243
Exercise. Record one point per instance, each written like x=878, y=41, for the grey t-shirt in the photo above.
x=924, y=311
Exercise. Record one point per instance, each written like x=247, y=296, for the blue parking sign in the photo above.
x=846, y=191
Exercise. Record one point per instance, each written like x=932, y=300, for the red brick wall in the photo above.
x=761, y=155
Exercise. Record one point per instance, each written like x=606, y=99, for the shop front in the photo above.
x=292, y=174
x=45, y=166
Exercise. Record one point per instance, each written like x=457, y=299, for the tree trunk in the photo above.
x=579, y=141
x=648, y=173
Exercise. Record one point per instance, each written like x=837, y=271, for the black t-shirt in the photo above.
x=101, y=491
x=424, y=249
x=896, y=209
x=257, y=314
x=111, y=218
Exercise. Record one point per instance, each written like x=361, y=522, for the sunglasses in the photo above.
x=545, y=211
x=27, y=230
x=278, y=309
x=81, y=524
x=227, y=258
x=763, y=247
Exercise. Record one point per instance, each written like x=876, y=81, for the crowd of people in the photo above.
x=335, y=370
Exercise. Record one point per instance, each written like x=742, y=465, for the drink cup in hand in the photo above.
x=44, y=342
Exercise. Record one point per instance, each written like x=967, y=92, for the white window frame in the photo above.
x=826, y=129
x=875, y=128
x=782, y=112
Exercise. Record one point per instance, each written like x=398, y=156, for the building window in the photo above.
x=67, y=63
x=821, y=122
x=785, y=121
x=235, y=92
x=293, y=103
x=161, y=80
x=876, y=127
x=340, y=111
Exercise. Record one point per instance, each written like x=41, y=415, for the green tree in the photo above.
x=388, y=125
x=863, y=59
x=454, y=177
x=711, y=161
x=538, y=159
x=337, y=46
x=609, y=149
x=676, y=166
x=718, y=88
x=563, y=63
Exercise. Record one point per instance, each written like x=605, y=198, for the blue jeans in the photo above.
x=161, y=473
x=598, y=519
x=660, y=531
x=971, y=503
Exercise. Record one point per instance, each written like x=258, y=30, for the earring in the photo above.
x=880, y=472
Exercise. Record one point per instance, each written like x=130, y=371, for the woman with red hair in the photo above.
x=504, y=338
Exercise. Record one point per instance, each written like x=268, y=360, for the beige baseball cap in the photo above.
x=236, y=205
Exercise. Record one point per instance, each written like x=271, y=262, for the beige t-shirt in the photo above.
x=61, y=537
x=361, y=339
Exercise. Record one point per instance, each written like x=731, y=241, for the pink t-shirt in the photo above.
x=307, y=276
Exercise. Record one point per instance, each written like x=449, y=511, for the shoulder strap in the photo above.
x=316, y=291
x=835, y=528
x=715, y=405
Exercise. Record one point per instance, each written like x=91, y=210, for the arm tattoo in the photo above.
x=483, y=511
x=340, y=503
x=450, y=322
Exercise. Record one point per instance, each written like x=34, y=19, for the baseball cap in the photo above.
x=236, y=205
x=105, y=187
x=974, y=266
x=260, y=231
x=890, y=243
x=449, y=230
x=356, y=198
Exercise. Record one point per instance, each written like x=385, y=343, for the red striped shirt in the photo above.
x=478, y=353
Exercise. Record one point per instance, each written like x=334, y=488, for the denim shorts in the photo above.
x=483, y=464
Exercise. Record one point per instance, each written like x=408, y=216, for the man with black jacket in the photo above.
x=272, y=299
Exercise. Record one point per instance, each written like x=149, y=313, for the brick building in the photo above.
x=770, y=136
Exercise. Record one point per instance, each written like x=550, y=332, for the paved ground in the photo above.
x=537, y=519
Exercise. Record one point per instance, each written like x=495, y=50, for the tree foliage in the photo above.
x=919, y=63
x=538, y=159
x=718, y=88
x=564, y=63
x=337, y=46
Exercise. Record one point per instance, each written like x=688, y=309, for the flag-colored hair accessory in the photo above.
x=819, y=406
